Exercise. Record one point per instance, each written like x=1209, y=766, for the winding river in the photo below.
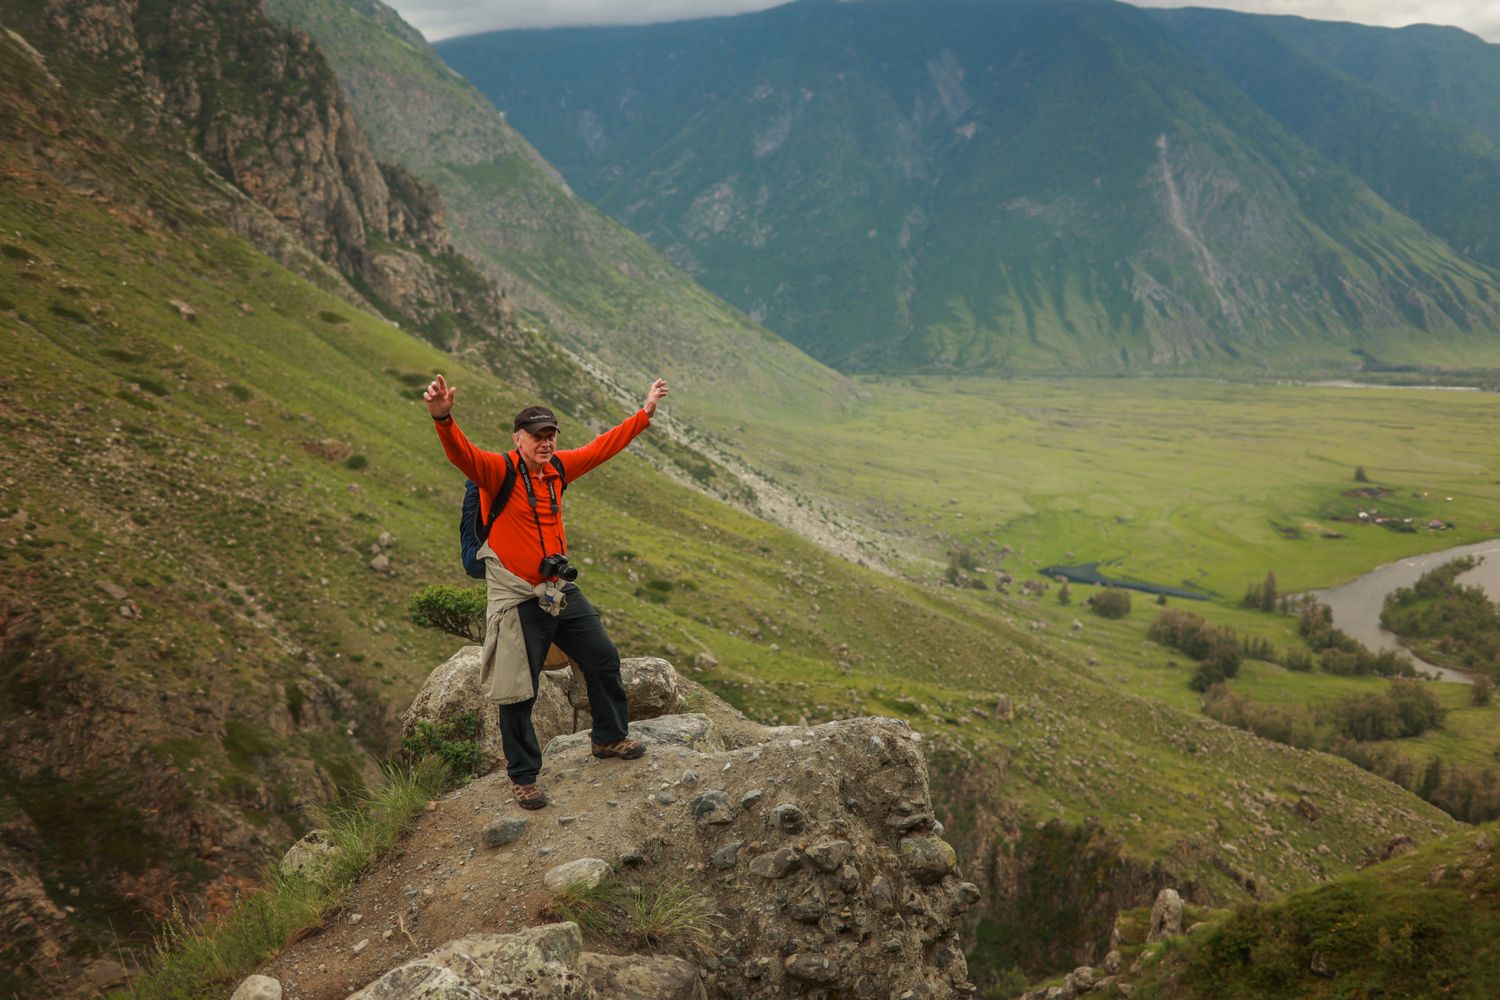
x=1356, y=605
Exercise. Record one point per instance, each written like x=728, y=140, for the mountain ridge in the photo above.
x=1018, y=187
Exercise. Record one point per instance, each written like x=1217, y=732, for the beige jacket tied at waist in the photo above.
x=505, y=673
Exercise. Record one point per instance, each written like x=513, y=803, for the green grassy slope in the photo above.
x=1006, y=187
x=1451, y=72
x=1178, y=482
x=599, y=287
x=1407, y=143
x=1421, y=925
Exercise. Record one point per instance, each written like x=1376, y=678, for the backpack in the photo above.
x=472, y=532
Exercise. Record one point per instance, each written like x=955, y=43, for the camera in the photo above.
x=557, y=565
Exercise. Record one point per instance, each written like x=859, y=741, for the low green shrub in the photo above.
x=455, y=743
x=458, y=611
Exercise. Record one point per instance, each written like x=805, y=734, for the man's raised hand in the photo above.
x=439, y=398
x=657, y=391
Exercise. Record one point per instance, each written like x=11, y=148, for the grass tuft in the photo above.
x=194, y=955
x=658, y=916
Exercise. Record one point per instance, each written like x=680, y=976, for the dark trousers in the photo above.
x=578, y=632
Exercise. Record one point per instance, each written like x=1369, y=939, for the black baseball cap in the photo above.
x=535, y=418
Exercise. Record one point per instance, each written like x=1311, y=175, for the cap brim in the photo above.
x=540, y=425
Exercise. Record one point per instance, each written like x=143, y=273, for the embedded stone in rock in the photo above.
x=848, y=878
x=750, y=798
x=258, y=988
x=640, y=977
x=807, y=908
x=829, y=855
x=927, y=858
x=882, y=895
x=811, y=968
x=905, y=823
x=789, y=818
x=727, y=856
x=107, y=974
x=585, y=873
x=968, y=894
x=775, y=864
x=309, y=856
x=712, y=808
x=1082, y=979
x=505, y=830
x=1166, y=916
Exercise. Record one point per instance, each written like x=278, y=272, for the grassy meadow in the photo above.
x=1192, y=483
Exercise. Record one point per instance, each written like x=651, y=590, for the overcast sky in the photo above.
x=443, y=18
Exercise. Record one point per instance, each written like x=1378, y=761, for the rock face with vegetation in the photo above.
x=779, y=861
x=601, y=288
x=262, y=107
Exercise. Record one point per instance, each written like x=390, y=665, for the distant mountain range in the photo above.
x=1037, y=186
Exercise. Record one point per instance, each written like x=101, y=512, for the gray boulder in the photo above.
x=651, y=688
x=258, y=988
x=585, y=873
x=694, y=732
x=453, y=689
x=928, y=859
x=538, y=963
x=310, y=856
x=1166, y=916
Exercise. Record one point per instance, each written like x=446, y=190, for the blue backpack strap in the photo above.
x=474, y=532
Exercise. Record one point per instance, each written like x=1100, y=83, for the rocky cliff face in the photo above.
x=261, y=106
x=810, y=859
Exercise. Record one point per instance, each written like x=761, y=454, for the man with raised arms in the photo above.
x=532, y=601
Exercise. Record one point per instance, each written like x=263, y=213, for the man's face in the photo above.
x=536, y=449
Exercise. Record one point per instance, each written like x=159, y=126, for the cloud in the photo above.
x=1483, y=19
x=445, y=18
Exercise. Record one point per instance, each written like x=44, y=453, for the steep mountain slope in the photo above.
x=1018, y=186
x=1446, y=71
x=1400, y=128
x=601, y=288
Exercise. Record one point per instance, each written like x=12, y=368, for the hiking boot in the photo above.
x=626, y=749
x=528, y=796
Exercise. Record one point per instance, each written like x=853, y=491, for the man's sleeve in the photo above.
x=577, y=461
x=486, y=468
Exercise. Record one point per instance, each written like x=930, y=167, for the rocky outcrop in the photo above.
x=1166, y=916
x=562, y=706
x=263, y=109
x=805, y=861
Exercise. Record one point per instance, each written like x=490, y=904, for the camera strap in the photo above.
x=532, y=500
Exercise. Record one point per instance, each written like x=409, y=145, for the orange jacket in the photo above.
x=514, y=536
